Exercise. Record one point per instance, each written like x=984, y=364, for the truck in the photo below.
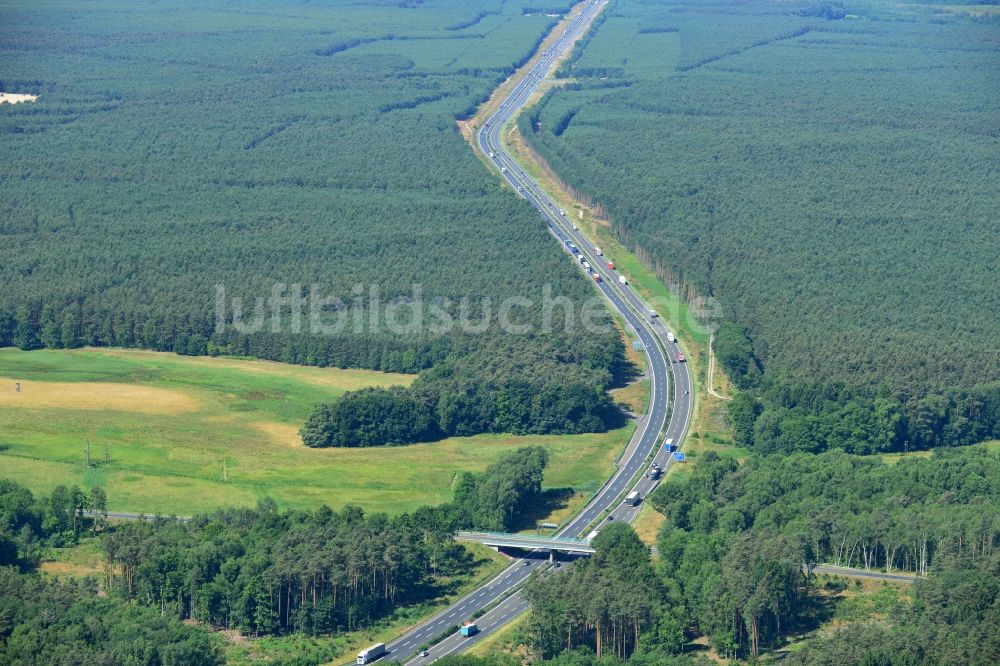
x=621, y=278
x=633, y=498
x=668, y=445
x=670, y=337
x=611, y=265
x=597, y=251
x=370, y=654
x=680, y=358
x=469, y=629
x=586, y=264
x=654, y=313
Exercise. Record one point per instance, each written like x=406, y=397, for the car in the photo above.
x=556, y=565
x=424, y=653
x=520, y=189
x=527, y=563
x=610, y=517
x=574, y=227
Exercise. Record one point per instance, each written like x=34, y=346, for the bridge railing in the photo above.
x=524, y=537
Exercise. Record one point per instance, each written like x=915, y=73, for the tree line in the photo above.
x=737, y=535
x=487, y=391
x=737, y=550
x=45, y=620
x=29, y=524
x=604, y=602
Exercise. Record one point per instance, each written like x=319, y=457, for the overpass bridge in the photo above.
x=528, y=542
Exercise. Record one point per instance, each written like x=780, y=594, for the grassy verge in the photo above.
x=846, y=601
x=175, y=434
x=509, y=639
x=634, y=396
x=893, y=458
x=648, y=523
x=84, y=559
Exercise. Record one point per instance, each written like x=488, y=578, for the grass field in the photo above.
x=188, y=434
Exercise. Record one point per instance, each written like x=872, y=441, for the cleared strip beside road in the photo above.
x=851, y=572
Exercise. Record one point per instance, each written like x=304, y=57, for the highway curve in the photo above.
x=500, y=593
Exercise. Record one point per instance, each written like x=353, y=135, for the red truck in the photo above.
x=680, y=358
x=611, y=265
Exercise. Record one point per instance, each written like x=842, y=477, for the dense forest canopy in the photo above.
x=733, y=548
x=825, y=170
x=291, y=171
x=46, y=620
x=260, y=571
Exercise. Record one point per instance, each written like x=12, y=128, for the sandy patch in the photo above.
x=16, y=98
x=280, y=433
x=54, y=568
x=96, y=396
x=345, y=379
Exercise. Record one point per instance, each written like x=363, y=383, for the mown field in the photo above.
x=185, y=434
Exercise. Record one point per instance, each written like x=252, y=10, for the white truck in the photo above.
x=671, y=337
x=632, y=499
x=621, y=279
x=370, y=654
x=597, y=251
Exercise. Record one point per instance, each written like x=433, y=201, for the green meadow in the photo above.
x=176, y=434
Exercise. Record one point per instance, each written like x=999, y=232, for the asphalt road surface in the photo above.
x=500, y=594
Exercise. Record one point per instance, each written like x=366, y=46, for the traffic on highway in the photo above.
x=632, y=475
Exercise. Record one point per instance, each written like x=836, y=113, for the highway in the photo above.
x=500, y=594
